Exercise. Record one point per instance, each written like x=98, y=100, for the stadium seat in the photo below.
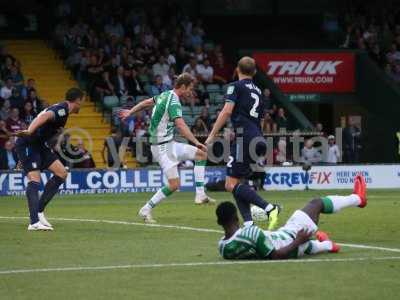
x=197, y=110
x=213, y=88
x=186, y=110
x=109, y=102
x=141, y=98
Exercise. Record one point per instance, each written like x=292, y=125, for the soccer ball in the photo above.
x=258, y=214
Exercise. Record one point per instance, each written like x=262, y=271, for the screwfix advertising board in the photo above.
x=311, y=72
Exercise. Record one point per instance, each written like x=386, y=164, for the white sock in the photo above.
x=320, y=247
x=340, y=202
x=199, y=174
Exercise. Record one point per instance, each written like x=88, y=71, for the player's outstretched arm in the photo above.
x=145, y=104
x=221, y=120
x=41, y=119
x=187, y=133
x=284, y=253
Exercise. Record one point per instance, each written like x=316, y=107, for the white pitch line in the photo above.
x=197, y=264
x=189, y=229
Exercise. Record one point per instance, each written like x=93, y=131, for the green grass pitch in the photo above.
x=179, y=263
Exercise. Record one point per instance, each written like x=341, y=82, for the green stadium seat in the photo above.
x=109, y=102
x=213, y=88
x=186, y=110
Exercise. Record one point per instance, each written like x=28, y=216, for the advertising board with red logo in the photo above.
x=331, y=177
x=309, y=72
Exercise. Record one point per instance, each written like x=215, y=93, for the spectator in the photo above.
x=198, y=54
x=169, y=80
x=279, y=153
x=281, y=120
x=309, y=154
x=135, y=86
x=37, y=103
x=161, y=67
x=8, y=157
x=28, y=114
x=333, y=154
x=14, y=122
x=85, y=158
x=16, y=77
x=181, y=59
x=158, y=87
x=30, y=85
x=6, y=67
x=320, y=128
x=269, y=126
x=114, y=28
x=140, y=125
x=5, y=110
x=7, y=89
x=104, y=87
x=205, y=117
x=171, y=60
x=205, y=72
x=94, y=71
x=112, y=146
x=222, y=72
x=191, y=67
x=199, y=127
x=16, y=99
x=4, y=133
x=120, y=83
x=351, y=142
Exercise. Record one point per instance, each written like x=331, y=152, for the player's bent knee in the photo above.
x=34, y=176
x=62, y=174
x=229, y=186
x=173, y=185
x=201, y=155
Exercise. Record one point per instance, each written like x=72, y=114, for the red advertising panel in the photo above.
x=309, y=72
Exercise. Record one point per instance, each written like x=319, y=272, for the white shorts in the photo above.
x=169, y=155
x=299, y=220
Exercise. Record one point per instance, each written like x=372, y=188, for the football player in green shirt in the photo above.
x=294, y=238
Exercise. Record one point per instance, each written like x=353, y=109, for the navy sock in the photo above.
x=243, y=206
x=50, y=189
x=32, y=193
x=246, y=194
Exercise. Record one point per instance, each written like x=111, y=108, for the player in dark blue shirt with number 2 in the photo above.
x=35, y=154
x=245, y=106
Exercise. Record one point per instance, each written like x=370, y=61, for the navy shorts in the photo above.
x=242, y=157
x=35, y=156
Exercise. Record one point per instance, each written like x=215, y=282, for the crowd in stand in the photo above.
x=376, y=30
x=19, y=105
x=132, y=54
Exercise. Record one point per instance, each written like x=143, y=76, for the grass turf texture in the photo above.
x=88, y=244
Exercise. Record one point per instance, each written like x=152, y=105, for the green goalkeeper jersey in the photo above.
x=247, y=242
x=167, y=108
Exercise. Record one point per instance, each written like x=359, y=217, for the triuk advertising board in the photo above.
x=311, y=72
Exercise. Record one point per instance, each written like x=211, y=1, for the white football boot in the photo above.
x=145, y=213
x=43, y=220
x=39, y=227
x=203, y=199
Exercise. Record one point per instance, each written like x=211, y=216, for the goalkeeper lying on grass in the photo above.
x=290, y=241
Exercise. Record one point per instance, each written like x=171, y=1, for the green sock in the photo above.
x=161, y=194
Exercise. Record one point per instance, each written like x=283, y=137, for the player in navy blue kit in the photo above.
x=245, y=106
x=35, y=154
